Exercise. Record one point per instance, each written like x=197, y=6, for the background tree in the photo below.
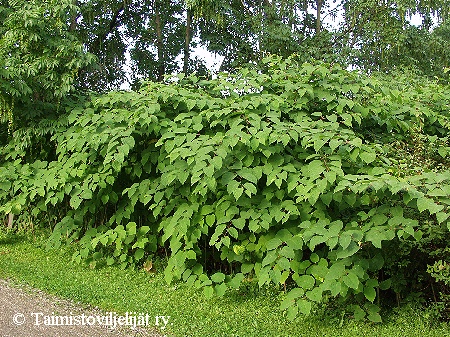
x=100, y=26
x=39, y=58
x=160, y=35
x=378, y=37
x=156, y=29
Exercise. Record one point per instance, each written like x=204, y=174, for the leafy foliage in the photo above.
x=39, y=61
x=307, y=176
x=39, y=57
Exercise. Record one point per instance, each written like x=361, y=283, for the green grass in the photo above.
x=242, y=313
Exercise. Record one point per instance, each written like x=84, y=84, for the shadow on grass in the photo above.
x=11, y=237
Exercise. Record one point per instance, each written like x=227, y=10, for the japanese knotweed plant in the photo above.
x=286, y=176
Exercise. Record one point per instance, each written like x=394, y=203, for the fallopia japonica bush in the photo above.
x=304, y=175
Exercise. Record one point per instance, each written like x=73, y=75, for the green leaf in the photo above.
x=190, y=255
x=217, y=162
x=375, y=236
x=351, y=280
x=316, y=240
x=210, y=219
x=295, y=293
x=284, y=264
x=335, y=271
x=304, y=307
x=5, y=185
x=234, y=188
x=425, y=203
x=236, y=281
x=220, y=289
x=86, y=194
x=367, y=157
x=352, y=248
x=374, y=317
x=218, y=277
x=286, y=303
x=306, y=281
x=226, y=241
x=292, y=312
x=319, y=143
x=314, y=258
x=295, y=242
x=418, y=234
x=370, y=293
x=345, y=239
x=250, y=189
x=334, y=144
x=273, y=244
x=373, y=313
x=270, y=257
x=219, y=231
x=358, y=313
x=208, y=291
x=287, y=252
x=441, y=216
x=315, y=295
x=350, y=199
x=232, y=185
x=139, y=254
x=284, y=235
x=247, y=268
x=104, y=240
x=326, y=198
x=105, y=198
x=75, y=202
x=442, y=151
x=233, y=232
x=131, y=228
x=376, y=262
x=386, y=284
x=247, y=174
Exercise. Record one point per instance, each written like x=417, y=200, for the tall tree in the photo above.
x=187, y=41
x=100, y=24
x=39, y=56
x=157, y=34
x=379, y=37
x=242, y=31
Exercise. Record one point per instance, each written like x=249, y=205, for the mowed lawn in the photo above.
x=244, y=312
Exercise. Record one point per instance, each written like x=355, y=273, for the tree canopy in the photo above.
x=50, y=44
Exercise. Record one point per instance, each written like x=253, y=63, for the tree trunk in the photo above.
x=305, y=10
x=159, y=43
x=74, y=18
x=10, y=220
x=113, y=24
x=187, y=41
x=318, y=21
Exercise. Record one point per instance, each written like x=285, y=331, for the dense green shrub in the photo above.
x=325, y=181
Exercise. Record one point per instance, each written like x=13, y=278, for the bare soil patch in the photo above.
x=29, y=312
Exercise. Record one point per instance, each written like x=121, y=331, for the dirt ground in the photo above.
x=28, y=312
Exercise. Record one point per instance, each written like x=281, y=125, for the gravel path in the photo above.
x=27, y=312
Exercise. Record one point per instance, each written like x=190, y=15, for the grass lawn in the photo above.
x=243, y=313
